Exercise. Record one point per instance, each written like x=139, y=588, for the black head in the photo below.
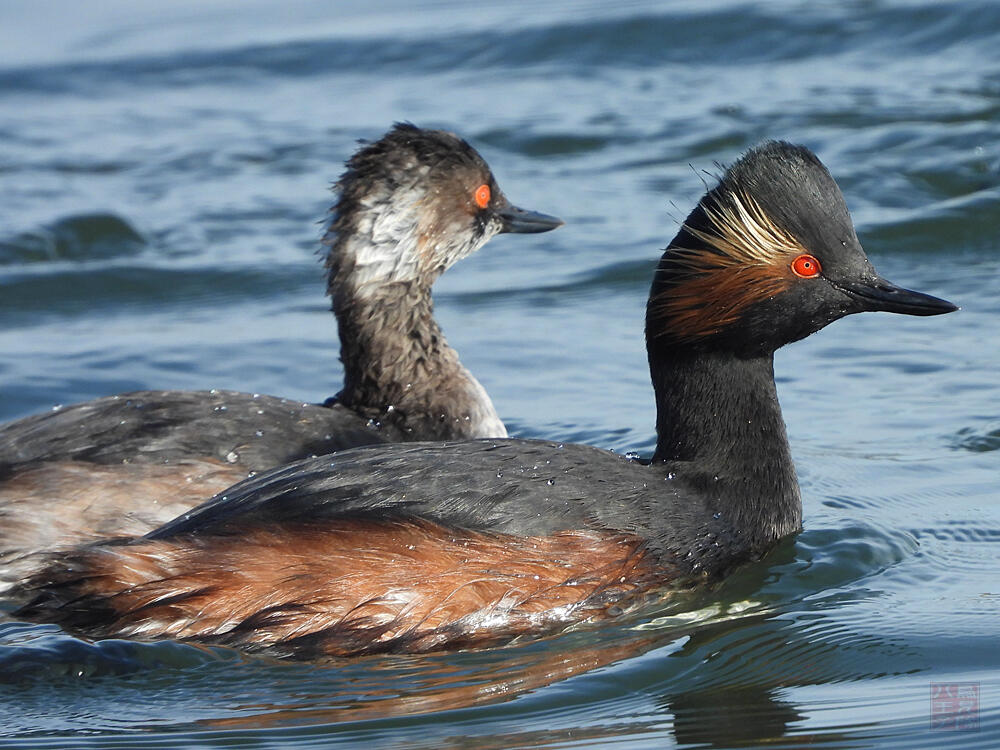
x=767, y=257
x=414, y=202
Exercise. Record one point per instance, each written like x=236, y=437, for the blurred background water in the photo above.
x=163, y=172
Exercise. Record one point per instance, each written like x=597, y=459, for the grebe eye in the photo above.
x=482, y=195
x=806, y=266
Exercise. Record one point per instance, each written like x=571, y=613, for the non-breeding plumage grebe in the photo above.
x=410, y=205
x=420, y=547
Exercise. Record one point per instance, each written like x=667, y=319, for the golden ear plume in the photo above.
x=745, y=259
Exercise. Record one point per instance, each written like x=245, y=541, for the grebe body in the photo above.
x=410, y=205
x=429, y=546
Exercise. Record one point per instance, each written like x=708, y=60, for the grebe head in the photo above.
x=768, y=257
x=412, y=204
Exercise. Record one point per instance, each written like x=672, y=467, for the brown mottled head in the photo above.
x=767, y=257
x=413, y=203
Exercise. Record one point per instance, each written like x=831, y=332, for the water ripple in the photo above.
x=88, y=237
x=982, y=440
x=678, y=37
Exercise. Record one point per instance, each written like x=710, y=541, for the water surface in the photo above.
x=163, y=173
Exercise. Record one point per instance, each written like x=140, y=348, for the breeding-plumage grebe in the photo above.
x=429, y=546
x=410, y=205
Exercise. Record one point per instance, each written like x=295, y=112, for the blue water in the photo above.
x=163, y=172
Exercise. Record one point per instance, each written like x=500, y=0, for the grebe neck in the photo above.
x=399, y=369
x=718, y=421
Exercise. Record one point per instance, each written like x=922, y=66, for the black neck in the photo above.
x=718, y=422
x=399, y=369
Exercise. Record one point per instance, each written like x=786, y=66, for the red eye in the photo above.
x=483, y=195
x=806, y=266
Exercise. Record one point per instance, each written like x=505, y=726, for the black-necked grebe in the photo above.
x=430, y=546
x=410, y=205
